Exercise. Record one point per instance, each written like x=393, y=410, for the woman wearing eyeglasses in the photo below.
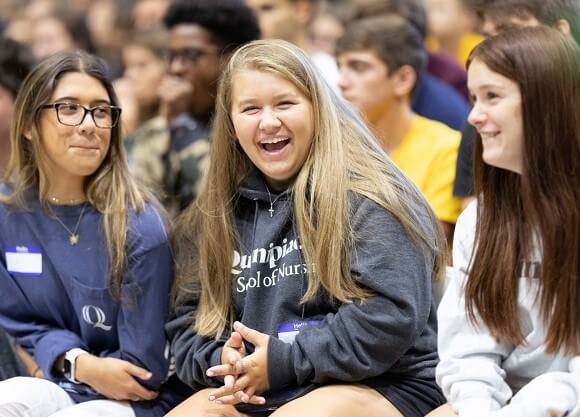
x=85, y=265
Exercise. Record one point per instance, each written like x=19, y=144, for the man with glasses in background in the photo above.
x=169, y=152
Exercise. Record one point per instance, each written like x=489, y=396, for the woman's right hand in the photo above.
x=114, y=378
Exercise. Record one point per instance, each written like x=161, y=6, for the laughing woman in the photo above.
x=85, y=265
x=326, y=309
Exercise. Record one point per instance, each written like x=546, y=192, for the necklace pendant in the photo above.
x=73, y=239
x=271, y=210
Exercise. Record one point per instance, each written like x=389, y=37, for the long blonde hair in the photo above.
x=110, y=189
x=344, y=157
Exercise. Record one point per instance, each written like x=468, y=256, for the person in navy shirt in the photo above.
x=85, y=262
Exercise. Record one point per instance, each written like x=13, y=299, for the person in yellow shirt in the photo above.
x=381, y=60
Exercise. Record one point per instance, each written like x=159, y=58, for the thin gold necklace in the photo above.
x=73, y=238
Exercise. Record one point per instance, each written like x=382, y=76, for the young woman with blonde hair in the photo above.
x=509, y=322
x=308, y=235
x=85, y=263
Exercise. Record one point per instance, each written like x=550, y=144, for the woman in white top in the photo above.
x=509, y=322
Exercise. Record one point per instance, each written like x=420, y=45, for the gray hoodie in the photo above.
x=392, y=334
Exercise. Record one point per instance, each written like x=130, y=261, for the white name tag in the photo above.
x=287, y=332
x=24, y=260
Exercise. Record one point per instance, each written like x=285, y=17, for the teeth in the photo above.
x=488, y=135
x=273, y=140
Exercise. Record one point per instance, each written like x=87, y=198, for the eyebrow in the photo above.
x=487, y=86
x=71, y=98
x=284, y=95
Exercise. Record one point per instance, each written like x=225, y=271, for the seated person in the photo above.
x=85, y=258
x=381, y=60
x=515, y=253
x=327, y=307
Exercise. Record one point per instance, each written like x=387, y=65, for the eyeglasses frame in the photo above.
x=90, y=110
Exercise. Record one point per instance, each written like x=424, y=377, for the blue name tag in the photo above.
x=24, y=260
x=287, y=332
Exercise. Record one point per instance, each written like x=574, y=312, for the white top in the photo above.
x=481, y=377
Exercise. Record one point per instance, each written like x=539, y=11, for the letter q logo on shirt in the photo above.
x=95, y=316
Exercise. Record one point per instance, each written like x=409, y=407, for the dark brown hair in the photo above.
x=542, y=204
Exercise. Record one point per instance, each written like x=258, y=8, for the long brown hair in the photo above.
x=110, y=189
x=543, y=203
x=344, y=157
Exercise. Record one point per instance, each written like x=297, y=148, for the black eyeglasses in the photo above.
x=73, y=114
x=187, y=54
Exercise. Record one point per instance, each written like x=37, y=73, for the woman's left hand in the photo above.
x=252, y=370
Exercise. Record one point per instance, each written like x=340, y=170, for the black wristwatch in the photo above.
x=69, y=367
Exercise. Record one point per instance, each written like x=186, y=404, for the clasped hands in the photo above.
x=245, y=376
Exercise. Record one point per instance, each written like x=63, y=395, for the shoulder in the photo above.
x=467, y=218
x=147, y=229
x=368, y=215
x=439, y=135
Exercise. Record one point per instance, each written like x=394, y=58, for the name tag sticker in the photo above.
x=287, y=332
x=24, y=260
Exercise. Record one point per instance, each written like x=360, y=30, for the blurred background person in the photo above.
x=16, y=61
x=452, y=26
x=145, y=65
x=169, y=152
x=381, y=61
x=54, y=33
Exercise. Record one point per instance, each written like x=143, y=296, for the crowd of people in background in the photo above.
x=289, y=207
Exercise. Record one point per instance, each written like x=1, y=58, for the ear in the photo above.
x=563, y=26
x=28, y=134
x=405, y=79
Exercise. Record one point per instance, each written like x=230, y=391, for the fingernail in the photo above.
x=209, y=373
x=245, y=398
x=211, y=398
x=262, y=401
x=219, y=402
x=237, y=325
x=148, y=375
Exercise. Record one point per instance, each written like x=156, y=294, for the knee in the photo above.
x=198, y=405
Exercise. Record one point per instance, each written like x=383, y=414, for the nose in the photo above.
x=87, y=124
x=343, y=80
x=476, y=116
x=269, y=122
x=176, y=66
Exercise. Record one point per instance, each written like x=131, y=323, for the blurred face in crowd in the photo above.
x=6, y=109
x=325, y=30
x=445, y=17
x=491, y=27
x=274, y=124
x=497, y=116
x=195, y=57
x=145, y=70
x=281, y=19
x=49, y=36
x=365, y=82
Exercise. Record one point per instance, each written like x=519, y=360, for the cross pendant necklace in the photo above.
x=271, y=209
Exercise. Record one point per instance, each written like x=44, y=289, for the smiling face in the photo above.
x=273, y=123
x=74, y=152
x=497, y=116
